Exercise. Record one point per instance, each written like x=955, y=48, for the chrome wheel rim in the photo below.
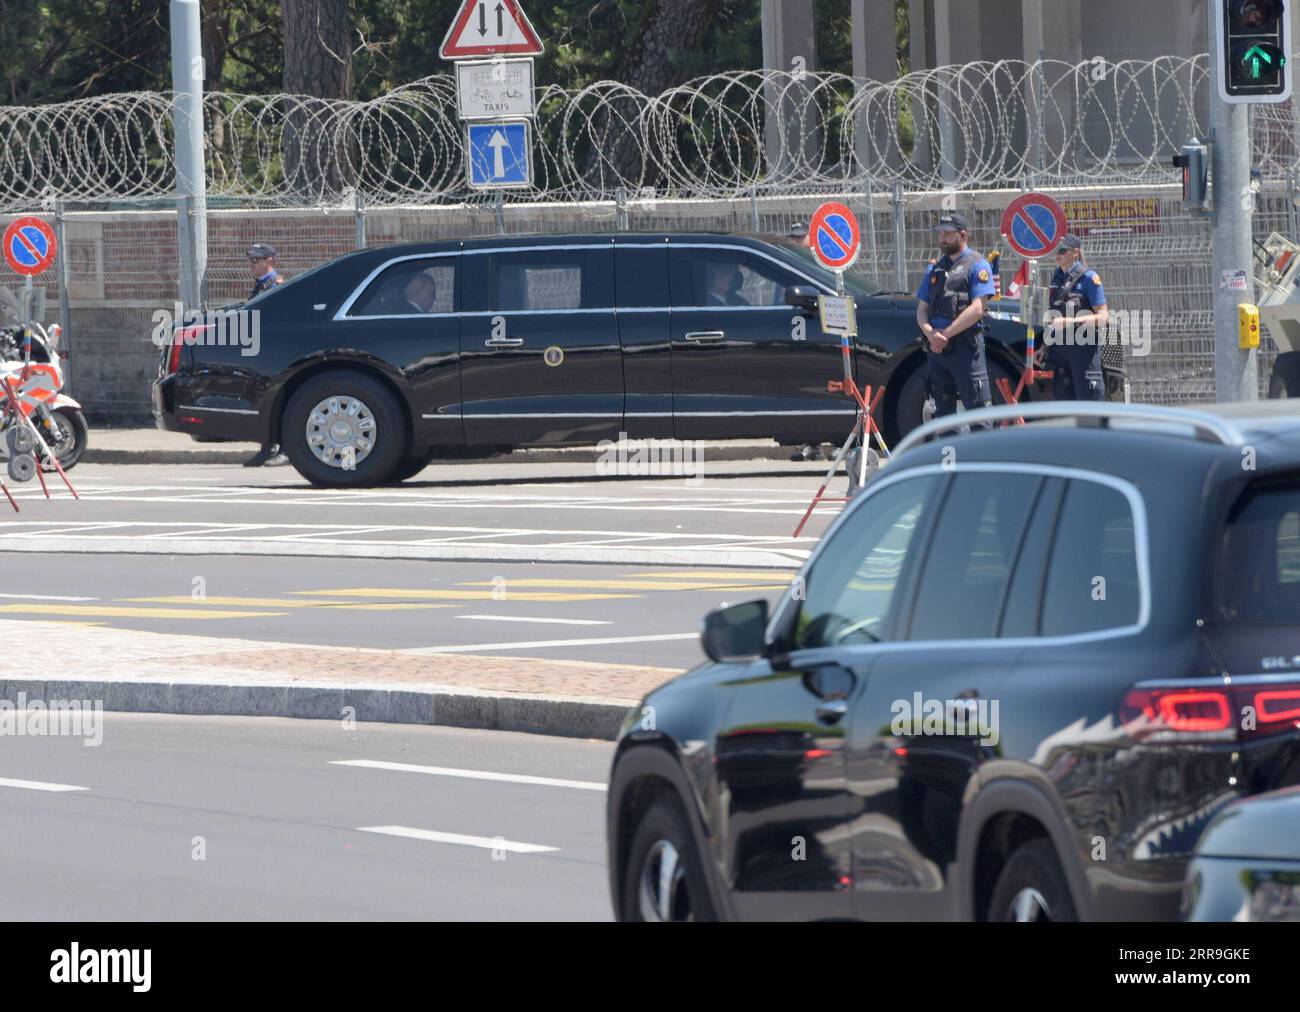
x=662, y=893
x=341, y=432
x=1028, y=905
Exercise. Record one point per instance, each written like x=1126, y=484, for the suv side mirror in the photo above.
x=802, y=297
x=734, y=632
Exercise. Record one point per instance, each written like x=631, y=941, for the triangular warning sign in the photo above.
x=490, y=28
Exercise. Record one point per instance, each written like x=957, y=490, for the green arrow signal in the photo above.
x=1253, y=56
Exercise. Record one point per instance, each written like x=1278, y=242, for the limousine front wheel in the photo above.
x=343, y=429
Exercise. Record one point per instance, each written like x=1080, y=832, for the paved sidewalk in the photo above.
x=165, y=673
x=153, y=446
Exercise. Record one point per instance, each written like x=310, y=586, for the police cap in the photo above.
x=1068, y=241
x=956, y=222
x=260, y=250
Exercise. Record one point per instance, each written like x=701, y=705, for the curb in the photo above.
x=567, y=717
x=581, y=455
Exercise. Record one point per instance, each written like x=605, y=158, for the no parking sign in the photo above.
x=1033, y=224
x=29, y=246
x=833, y=236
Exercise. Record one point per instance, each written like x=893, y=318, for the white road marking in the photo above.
x=547, y=621
x=445, y=771
x=46, y=597
x=489, y=647
x=37, y=785
x=433, y=836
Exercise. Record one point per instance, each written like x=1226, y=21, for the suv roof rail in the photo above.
x=1208, y=427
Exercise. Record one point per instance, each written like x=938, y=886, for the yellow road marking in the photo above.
x=114, y=611
x=718, y=574
x=460, y=595
x=629, y=584
x=279, y=602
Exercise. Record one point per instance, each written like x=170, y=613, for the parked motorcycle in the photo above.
x=34, y=369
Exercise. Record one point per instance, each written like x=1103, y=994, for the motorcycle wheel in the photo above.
x=70, y=442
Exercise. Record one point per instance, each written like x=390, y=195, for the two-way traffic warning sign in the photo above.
x=490, y=28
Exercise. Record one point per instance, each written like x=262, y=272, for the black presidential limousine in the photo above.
x=370, y=366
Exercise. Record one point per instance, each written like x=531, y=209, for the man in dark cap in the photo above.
x=261, y=264
x=1079, y=320
x=950, y=314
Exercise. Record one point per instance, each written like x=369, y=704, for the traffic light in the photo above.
x=1254, y=50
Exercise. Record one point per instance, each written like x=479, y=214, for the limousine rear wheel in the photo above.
x=912, y=410
x=343, y=429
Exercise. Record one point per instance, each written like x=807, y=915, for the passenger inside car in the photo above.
x=421, y=293
x=724, y=284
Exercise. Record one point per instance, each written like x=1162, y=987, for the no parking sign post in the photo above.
x=1032, y=225
x=29, y=249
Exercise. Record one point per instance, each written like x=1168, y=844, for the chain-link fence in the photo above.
x=743, y=152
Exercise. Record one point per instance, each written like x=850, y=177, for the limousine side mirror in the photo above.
x=734, y=632
x=802, y=297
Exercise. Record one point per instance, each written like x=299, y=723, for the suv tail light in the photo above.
x=183, y=335
x=1234, y=712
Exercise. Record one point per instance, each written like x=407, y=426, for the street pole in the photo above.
x=1236, y=370
x=187, y=119
x=65, y=312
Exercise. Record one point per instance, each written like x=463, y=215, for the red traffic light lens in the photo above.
x=1253, y=15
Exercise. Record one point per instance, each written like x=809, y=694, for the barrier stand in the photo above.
x=863, y=428
x=1031, y=374
x=15, y=407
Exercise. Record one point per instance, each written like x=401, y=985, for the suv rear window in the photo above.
x=1259, y=565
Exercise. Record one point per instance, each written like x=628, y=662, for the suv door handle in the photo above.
x=503, y=342
x=832, y=711
x=705, y=336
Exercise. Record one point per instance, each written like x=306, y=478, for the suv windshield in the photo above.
x=1259, y=564
x=856, y=281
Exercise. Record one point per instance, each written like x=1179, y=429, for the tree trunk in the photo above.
x=665, y=27
x=317, y=62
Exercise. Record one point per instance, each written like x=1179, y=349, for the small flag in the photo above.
x=993, y=258
x=1019, y=281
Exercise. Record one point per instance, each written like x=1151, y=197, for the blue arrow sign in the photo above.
x=499, y=154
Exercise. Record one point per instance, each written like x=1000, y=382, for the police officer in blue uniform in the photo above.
x=261, y=264
x=1079, y=321
x=950, y=314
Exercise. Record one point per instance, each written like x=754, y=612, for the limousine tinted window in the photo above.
x=409, y=288
x=541, y=280
x=704, y=277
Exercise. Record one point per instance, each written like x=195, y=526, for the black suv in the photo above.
x=1016, y=679
x=370, y=366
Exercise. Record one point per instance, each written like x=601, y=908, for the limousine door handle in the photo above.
x=503, y=342
x=705, y=336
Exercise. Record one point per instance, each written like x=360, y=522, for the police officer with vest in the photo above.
x=1079, y=319
x=261, y=264
x=950, y=314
